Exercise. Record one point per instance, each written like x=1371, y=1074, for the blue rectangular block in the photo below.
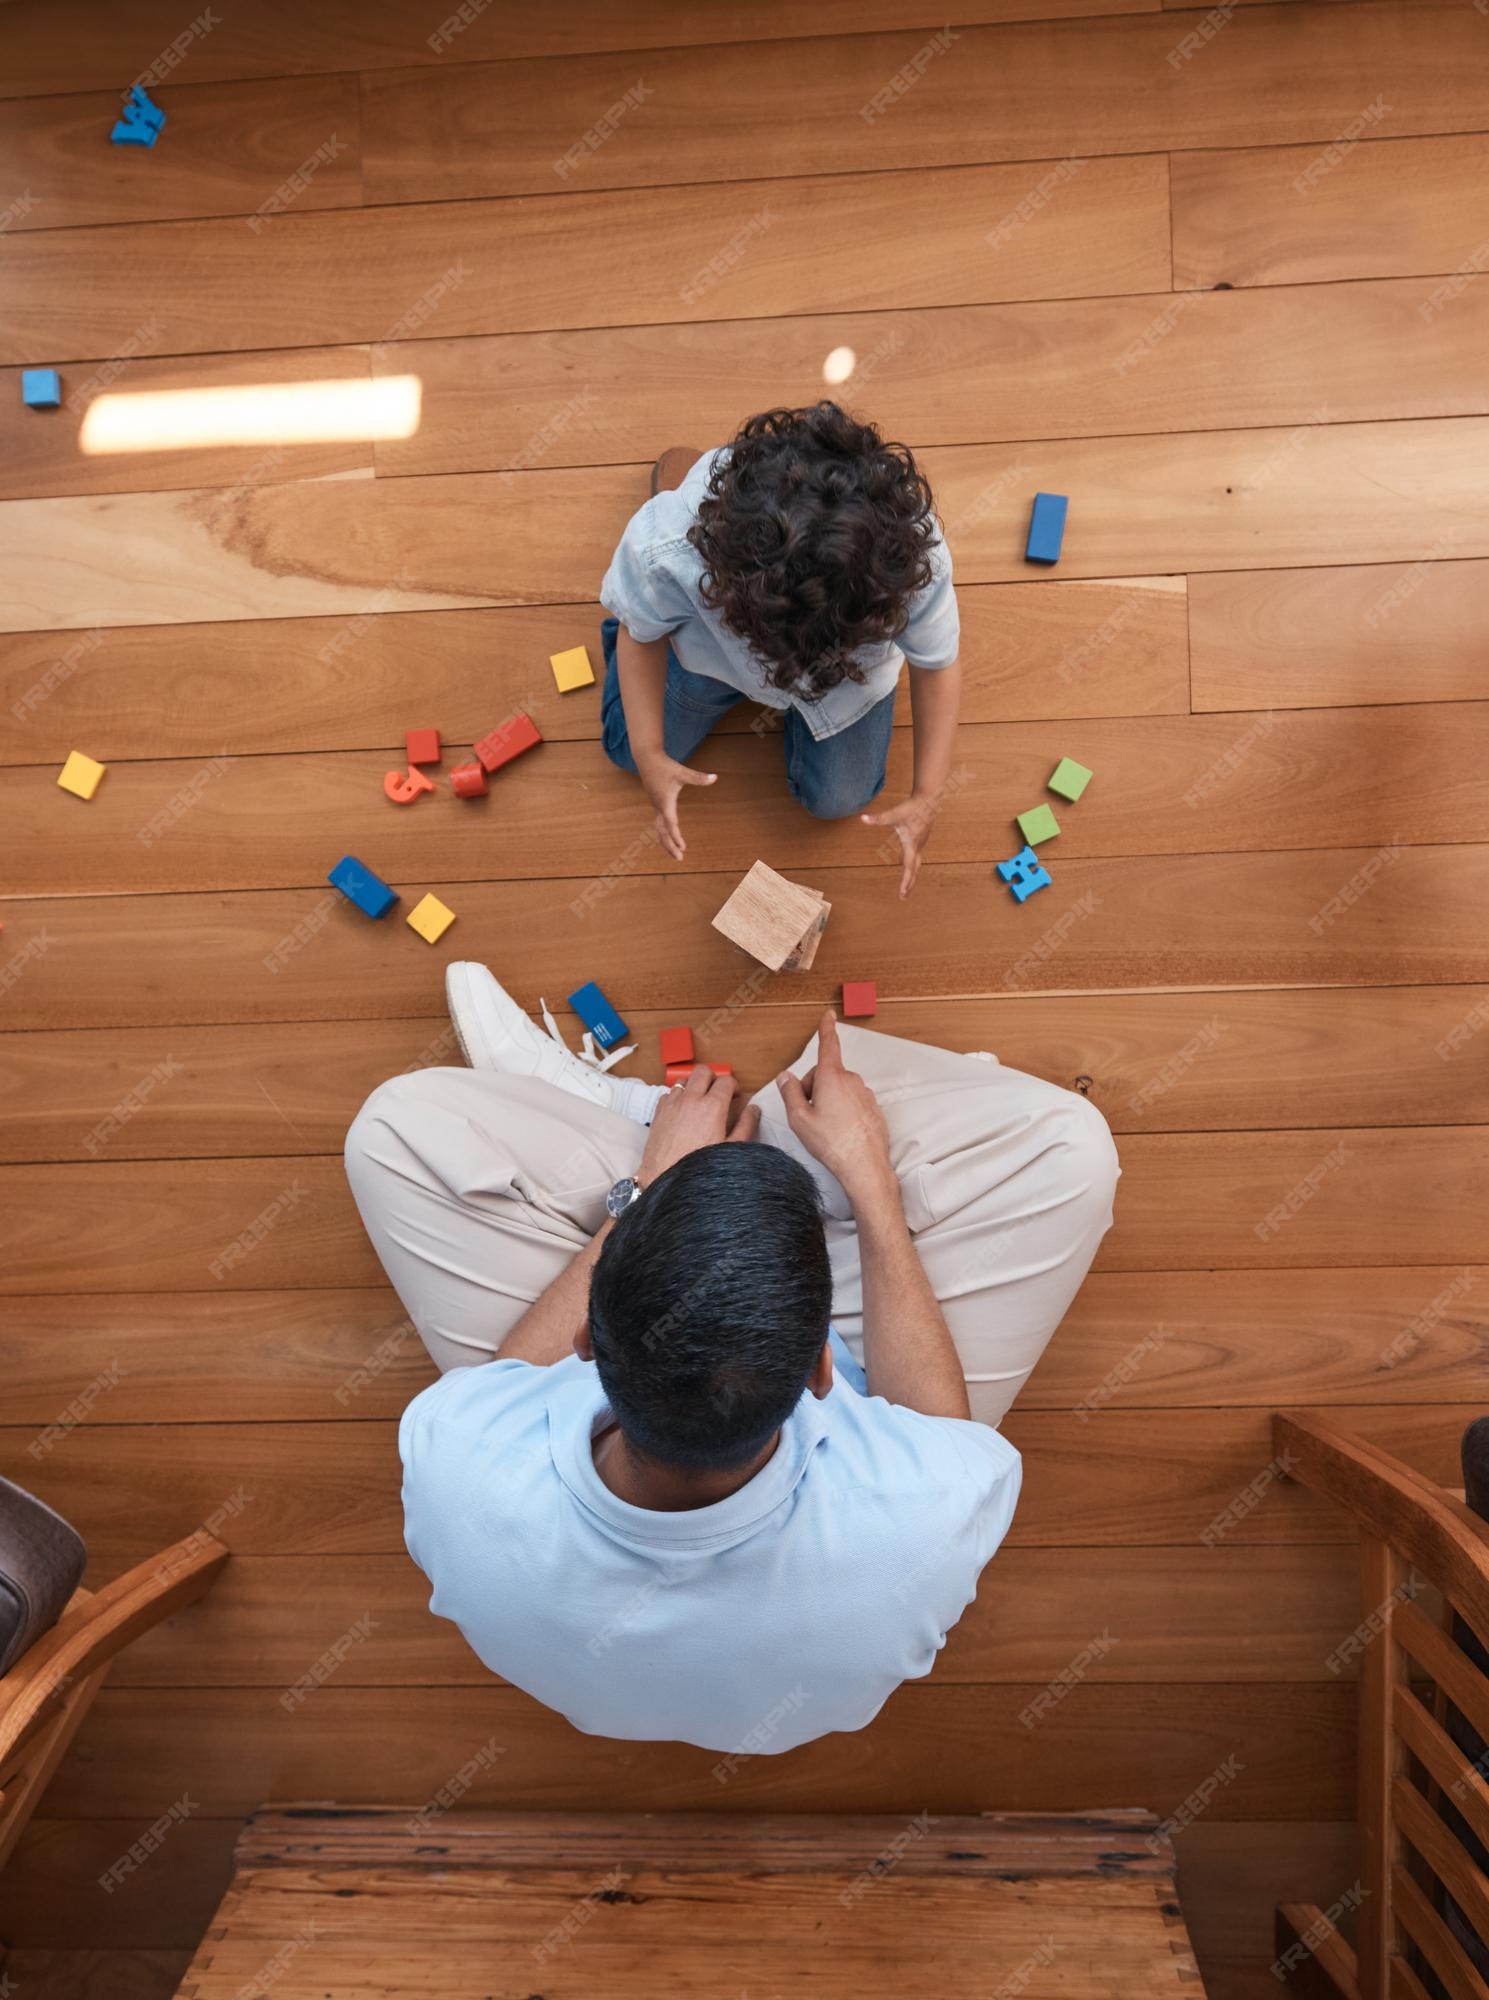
x=360, y=886
x=1046, y=528
x=41, y=388
x=597, y=1014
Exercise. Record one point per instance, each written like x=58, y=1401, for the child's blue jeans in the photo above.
x=831, y=779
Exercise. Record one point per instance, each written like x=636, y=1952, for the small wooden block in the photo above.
x=468, y=781
x=1038, y=824
x=677, y=1045
x=776, y=921
x=506, y=741
x=860, y=999
x=597, y=1014
x=422, y=746
x=1046, y=528
x=403, y=787
x=359, y=885
x=680, y=1072
x=41, y=388
x=1069, y=779
x=572, y=669
x=80, y=775
x=430, y=919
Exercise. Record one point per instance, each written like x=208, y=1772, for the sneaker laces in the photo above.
x=587, y=1052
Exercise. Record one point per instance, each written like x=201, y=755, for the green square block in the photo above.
x=1039, y=823
x=1069, y=779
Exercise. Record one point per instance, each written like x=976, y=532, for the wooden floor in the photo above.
x=1220, y=311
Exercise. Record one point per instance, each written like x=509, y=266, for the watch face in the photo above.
x=622, y=1195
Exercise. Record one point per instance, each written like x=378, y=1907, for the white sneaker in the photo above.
x=495, y=1033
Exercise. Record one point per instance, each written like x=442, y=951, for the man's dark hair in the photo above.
x=815, y=535
x=709, y=1305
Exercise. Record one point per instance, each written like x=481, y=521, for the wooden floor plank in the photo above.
x=994, y=93
x=231, y=148
x=1337, y=918
x=1320, y=493
x=1312, y=638
x=113, y=38
x=1155, y=1477
x=1035, y=650
x=1303, y=778
x=1376, y=209
x=1132, y=1340
x=140, y=1749
x=41, y=460
x=1150, y=1062
x=782, y=246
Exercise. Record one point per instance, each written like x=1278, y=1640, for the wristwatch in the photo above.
x=622, y=1195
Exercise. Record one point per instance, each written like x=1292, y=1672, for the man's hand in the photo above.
x=837, y=1118
x=912, y=820
x=693, y=1115
x=664, y=779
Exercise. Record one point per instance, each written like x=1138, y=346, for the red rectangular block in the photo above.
x=860, y=999
x=506, y=741
x=677, y=1045
x=680, y=1072
x=423, y=746
x=468, y=781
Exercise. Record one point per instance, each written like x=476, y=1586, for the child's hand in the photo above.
x=912, y=820
x=664, y=780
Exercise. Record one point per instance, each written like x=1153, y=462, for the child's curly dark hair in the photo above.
x=816, y=535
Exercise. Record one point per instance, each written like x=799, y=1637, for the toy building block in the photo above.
x=860, y=999
x=403, y=787
x=139, y=106
x=506, y=741
x=141, y=121
x=80, y=775
x=1069, y=779
x=41, y=388
x=677, y=1045
x=597, y=1014
x=1024, y=873
x=422, y=746
x=776, y=921
x=430, y=918
x=359, y=885
x=1046, y=528
x=572, y=669
x=680, y=1072
x=468, y=781
x=1038, y=824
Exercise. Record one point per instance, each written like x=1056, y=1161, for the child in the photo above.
x=799, y=567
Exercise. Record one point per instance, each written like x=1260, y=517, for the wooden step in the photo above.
x=463, y=1905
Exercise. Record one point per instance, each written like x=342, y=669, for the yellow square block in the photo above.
x=81, y=775
x=572, y=669
x=430, y=919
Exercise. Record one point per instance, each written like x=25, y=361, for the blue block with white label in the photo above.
x=41, y=388
x=359, y=885
x=597, y=1014
x=1046, y=528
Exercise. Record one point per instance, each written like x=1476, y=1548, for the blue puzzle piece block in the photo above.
x=1046, y=528
x=41, y=388
x=360, y=886
x=141, y=122
x=597, y=1014
x=1024, y=874
x=140, y=107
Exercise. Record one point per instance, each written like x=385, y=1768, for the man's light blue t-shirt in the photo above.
x=654, y=587
x=792, y=1608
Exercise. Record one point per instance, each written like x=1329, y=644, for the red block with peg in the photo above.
x=860, y=999
x=506, y=741
x=423, y=746
x=468, y=781
x=680, y=1072
x=404, y=787
x=677, y=1045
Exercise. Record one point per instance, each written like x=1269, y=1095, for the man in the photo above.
x=801, y=567
x=715, y=1477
